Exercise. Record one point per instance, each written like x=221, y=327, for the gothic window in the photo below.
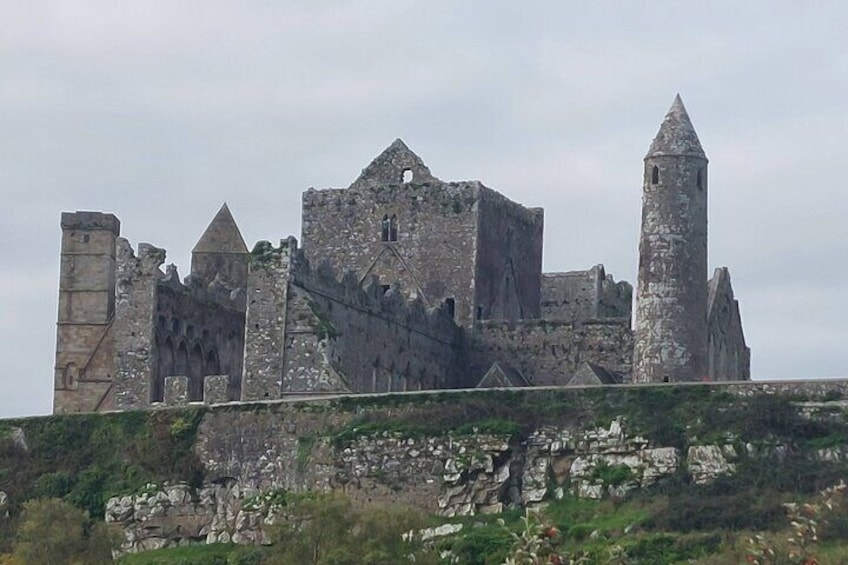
x=384, y=228
x=195, y=375
x=393, y=228
x=212, y=365
x=181, y=361
x=655, y=175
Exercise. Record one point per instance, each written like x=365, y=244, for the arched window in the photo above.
x=655, y=175
x=166, y=369
x=384, y=228
x=180, y=361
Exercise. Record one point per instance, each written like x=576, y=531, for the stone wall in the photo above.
x=372, y=340
x=455, y=242
x=307, y=332
x=509, y=258
x=549, y=352
x=134, y=328
x=729, y=358
x=199, y=332
x=585, y=295
x=434, y=251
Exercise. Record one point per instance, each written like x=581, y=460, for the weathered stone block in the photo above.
x=176, y=391
x=216, y=389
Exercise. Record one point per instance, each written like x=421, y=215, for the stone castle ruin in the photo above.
x=401, y=282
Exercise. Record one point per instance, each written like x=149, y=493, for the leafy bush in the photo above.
x=54, y=532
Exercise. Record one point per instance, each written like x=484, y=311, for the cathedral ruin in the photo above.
x=400, y=282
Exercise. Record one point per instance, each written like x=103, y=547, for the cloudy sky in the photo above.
x=160, y=111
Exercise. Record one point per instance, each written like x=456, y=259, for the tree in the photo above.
x=53, y=532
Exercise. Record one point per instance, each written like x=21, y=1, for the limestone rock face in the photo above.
x=450, y=475
x=173, y=515
x=708, y=462
x=594, y=462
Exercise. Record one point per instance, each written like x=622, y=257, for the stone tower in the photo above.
x=671, y=300
x=220, y=252
x=84, y=366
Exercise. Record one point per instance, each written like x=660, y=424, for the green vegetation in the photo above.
x=304, y=450
x=611, y=475
x=214, y=554
x=85, y=459
x=53, y=532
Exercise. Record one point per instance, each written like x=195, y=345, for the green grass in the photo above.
x=212, y=554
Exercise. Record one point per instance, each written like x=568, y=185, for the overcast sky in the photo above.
x=160, y=111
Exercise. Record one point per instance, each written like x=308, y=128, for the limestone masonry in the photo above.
x=401, y=282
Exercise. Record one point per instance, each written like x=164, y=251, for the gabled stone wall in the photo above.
x=547, y=352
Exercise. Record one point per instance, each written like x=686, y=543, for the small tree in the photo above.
x=53, y=532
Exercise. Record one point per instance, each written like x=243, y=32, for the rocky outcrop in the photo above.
x=449, y=475
x=173, y=515
x=705, y=463
x=594, y=462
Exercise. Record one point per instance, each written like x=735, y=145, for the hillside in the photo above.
x=673, y=467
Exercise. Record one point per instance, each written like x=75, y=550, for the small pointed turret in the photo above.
x=220, y=252
x=222, y=235
x=676, y=135
x=397, y=164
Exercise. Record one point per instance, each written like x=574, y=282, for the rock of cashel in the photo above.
x=400, y=282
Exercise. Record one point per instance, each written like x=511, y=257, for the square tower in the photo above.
x=84, y=366
x=454, y=243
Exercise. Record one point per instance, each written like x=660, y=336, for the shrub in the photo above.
x=53, y=532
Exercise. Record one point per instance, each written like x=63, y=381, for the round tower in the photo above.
x=671, y=297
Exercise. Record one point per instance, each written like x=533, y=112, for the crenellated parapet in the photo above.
x=309, y=330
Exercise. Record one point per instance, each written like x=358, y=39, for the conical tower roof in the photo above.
x=222, y=235
x=677, y=135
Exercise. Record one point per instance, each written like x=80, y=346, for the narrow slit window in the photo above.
x=451, y=304
x=700, y=181
x=655, y=175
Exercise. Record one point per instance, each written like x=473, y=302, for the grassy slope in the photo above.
x=87, y=458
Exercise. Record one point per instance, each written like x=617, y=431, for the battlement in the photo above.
x=91, y=221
